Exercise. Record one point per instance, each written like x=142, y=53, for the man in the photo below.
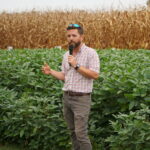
x=78, y=72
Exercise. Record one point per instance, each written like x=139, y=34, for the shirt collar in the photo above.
x=81, y=48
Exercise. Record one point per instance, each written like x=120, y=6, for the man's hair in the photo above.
x=76, y=26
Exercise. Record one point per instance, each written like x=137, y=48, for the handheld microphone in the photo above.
x=71, y=47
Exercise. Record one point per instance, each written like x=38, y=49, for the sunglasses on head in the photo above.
x=74, y=25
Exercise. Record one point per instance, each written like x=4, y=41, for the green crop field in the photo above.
x=31, y=102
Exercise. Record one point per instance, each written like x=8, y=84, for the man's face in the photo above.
x=74, y=38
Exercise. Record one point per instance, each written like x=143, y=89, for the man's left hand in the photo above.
x=72, y=60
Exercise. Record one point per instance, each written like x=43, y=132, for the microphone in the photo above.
x=71, y=47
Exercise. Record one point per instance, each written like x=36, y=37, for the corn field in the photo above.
x=126, y=29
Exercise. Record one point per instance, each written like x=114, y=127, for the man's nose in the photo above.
x=71, y=37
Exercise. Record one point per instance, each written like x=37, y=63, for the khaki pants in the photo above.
x=76, y=111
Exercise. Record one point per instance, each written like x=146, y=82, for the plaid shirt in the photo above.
x=74, y=81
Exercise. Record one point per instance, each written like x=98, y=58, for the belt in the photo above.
x=76, y=93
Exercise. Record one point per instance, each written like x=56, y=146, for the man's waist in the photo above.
x=71, y=93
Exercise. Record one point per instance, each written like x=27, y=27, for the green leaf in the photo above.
x=21, y=133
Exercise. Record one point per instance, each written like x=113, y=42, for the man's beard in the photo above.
x=75, y=45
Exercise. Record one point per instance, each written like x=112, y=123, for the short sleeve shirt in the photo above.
x=74, y=81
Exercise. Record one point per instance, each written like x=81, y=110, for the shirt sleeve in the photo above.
x=94, y=62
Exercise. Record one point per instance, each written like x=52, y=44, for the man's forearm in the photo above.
x=58, y=75
x=88, y=73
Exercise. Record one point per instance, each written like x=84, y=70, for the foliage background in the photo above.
x=31, y=102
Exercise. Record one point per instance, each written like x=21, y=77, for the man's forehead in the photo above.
x=72, y=31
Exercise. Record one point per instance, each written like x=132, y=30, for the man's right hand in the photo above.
x=46, y=69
